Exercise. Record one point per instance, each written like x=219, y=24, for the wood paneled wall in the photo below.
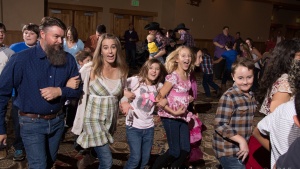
x=13, y=37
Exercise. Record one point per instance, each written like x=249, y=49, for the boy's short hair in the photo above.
x=2, y=26
x=31, y=27
x=297, y=104
x=225, y=27
x=101, y=29
x=243, y=61
x=82, y=54
x=229, y=44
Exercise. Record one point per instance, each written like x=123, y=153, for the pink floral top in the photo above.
x=178, y=96
x=281, y=85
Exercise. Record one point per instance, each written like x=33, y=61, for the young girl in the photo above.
x=195, y=125
x=234, y=117
x=179, y=64
x=139, y=118
x=98, y=109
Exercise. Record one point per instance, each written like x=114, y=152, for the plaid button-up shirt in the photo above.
x=206, y=64
x=234, y=116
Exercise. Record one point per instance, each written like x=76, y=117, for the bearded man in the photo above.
x=40, y=75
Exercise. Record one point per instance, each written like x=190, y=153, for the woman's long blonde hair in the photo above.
x=98, y=62
x=172, y=65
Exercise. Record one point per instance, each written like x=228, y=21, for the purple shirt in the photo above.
x=222, y=39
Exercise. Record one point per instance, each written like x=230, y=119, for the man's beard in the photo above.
x=57, y=57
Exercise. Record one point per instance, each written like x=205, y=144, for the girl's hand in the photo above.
x=130, y=95
x=244, y=150
x=162, y=103
x=191, y=99
x=181, y=110
x=73, y=82
x=124, y=107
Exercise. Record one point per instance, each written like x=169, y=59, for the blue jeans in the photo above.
x=104, y=156
x=18, y=143
x=219, y=68
x=140, y=142
x=178, y=136
x=208, y=81
x=231, y=163
x=41, y=140
x=130, y=57
x=226, y=76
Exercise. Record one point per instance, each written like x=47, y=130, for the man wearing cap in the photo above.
x=154, y=29
x=185, y=37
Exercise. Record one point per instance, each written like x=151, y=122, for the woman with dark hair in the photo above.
x=71, y=42
x=276, y=87
x=256, y=56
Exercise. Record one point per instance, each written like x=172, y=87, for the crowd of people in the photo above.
x=56, y=81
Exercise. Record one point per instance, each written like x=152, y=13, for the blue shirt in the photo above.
x=230, y=57
x=28, y=72
x=18, y=47
x=74, y=49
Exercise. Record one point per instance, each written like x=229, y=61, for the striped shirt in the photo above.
x=234, y=116
x=206, y=64
x=281, y=128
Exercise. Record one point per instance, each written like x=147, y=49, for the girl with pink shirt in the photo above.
x=173, y=110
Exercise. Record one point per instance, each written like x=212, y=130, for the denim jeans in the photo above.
x=219, y=68
x=18, y=143
x=255, y=80
x=231, y=163
x=41, y=140
x=140, y=142
x=130, y=57
x=104, y=156
x=226, y=76
x=208, y=81
x=178, y=136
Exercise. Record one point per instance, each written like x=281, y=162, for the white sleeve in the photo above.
x=264, y=125
x=132, y=82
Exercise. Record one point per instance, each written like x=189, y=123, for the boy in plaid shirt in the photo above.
x=234, y=117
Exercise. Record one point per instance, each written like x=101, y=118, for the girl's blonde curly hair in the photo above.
x=172, y=65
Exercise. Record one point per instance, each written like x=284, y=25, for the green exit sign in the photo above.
x=135, y=3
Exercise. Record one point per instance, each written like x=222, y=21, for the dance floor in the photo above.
x=68, y=157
